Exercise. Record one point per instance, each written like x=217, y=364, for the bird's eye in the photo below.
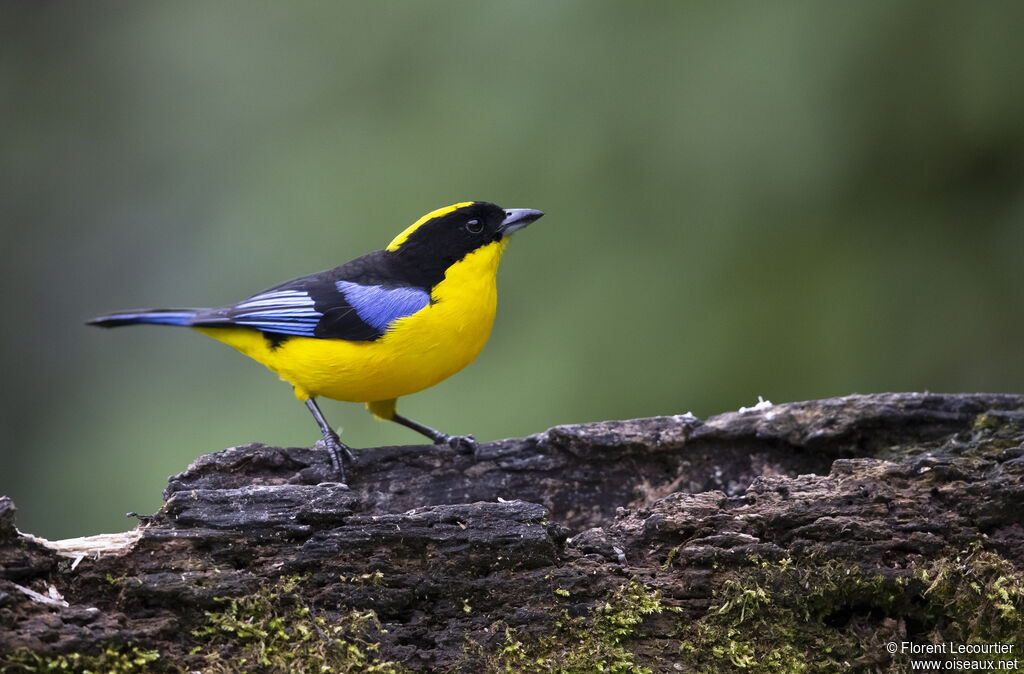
x=474, y=227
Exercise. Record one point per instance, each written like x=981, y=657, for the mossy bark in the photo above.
x=797, y=537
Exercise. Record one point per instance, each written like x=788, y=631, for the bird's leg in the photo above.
x=334, y=446
x=462, y=443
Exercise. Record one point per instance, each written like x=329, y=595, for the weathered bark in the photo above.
x=755, y=539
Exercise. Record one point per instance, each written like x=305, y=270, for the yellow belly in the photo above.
x=415, y=353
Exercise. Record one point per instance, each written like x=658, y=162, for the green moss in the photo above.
x=835, y=616
x=114, y=659
x=775, y=618
x=986, y=421
x=123, y=580
x=374, y=579
x=271, y=631
x=670, y=557
x=993, y=432
x=598, y=643
x=976, y=597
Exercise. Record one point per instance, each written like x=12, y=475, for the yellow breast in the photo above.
x=415, y=353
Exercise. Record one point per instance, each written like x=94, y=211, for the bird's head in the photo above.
x=452, y=232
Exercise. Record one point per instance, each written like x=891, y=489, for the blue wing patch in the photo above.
x=340, y=310
x=286, y=312
x=378, y=306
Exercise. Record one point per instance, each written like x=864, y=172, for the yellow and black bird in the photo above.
x=387, y=324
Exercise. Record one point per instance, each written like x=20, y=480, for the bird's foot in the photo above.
x=339, y=453
x=464, y=444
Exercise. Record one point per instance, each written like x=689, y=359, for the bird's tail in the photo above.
x=156, y=316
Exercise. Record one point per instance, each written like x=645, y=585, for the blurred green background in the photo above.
x=790, y=199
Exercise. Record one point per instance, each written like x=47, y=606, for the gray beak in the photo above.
x=517, y=218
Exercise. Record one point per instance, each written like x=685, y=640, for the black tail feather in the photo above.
x=154, y=316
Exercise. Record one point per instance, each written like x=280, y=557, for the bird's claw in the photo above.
x=338, y=452
x=464, y=444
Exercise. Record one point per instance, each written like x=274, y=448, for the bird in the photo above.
x=384, y=325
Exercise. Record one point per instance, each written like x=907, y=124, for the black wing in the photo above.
x=354, y=302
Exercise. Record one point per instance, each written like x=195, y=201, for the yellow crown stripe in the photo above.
x=407, y=232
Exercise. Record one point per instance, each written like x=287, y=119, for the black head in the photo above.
x=448, y=234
